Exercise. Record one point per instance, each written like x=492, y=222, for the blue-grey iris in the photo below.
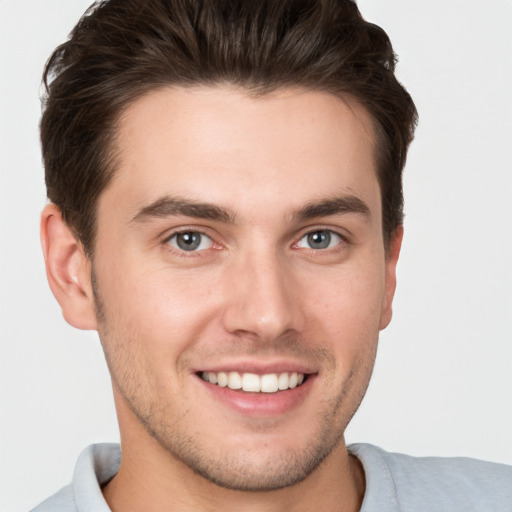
x=319, y=239
x=188, y=241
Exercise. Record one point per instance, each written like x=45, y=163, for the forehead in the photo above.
x=223, y=145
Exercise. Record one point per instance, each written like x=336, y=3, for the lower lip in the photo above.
x=260, y=404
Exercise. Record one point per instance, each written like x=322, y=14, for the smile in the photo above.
x=253, y=383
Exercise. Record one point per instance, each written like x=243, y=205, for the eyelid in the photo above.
x=342, y=243
x=341, y=232
x=204, y=239
x=200, y=230
x=332, y=234
x=169, y=233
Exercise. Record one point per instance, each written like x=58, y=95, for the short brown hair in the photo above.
x=121, y=49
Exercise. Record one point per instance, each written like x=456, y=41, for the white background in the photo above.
x=443, y=381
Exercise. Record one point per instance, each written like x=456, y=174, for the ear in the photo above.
x=390, y=276
x=68, y=270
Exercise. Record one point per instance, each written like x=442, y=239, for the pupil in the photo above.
x=188, y=241
x=319, y=239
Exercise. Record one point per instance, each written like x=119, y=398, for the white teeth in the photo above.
x=253, y=383
x=283, y=381
x=269, y=383
x=234, y=380
x=222, y=379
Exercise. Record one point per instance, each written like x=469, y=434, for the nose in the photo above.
x=260, y=300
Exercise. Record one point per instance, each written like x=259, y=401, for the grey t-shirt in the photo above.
x=394, y=483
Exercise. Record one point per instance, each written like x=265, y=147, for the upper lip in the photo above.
x=258, y=367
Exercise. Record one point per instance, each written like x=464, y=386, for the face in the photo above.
x=241, y=279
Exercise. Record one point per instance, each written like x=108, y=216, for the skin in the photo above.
x=255, y=294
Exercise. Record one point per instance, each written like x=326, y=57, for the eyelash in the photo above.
x=324, y=231
x=183, y=252
x=342, y=242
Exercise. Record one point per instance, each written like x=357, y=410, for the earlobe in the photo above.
x=395, y=245
x=68, y=270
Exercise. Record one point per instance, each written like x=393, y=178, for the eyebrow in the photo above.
x=177, y=206
x=168, y=206
x=341, y=205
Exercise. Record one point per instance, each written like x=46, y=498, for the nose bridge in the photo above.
x=260, y=300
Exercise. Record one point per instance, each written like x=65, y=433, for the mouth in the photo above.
x=254, y=383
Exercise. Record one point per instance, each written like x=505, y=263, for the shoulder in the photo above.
x=435, y=483
x=96, y=465
x=63, y=500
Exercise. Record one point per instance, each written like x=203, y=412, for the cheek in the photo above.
x=161, y=307
x=347, y=315
x=350, y=297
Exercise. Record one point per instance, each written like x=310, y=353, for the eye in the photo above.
x=190, y=241
x=321, y=239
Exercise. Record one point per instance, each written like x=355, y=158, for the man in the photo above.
x=226, y=211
